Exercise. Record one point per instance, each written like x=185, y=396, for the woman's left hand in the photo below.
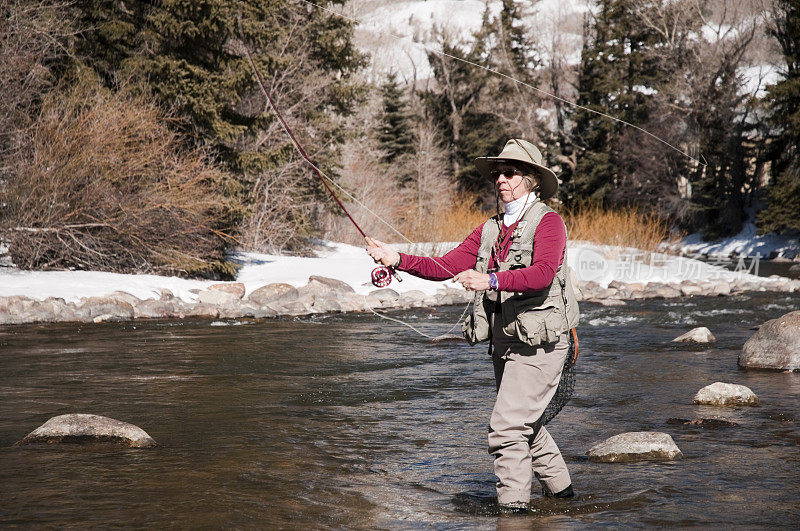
x=472, y=280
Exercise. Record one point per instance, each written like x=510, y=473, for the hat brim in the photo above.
x=549, y=181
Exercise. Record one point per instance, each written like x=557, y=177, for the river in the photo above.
x=350, y=421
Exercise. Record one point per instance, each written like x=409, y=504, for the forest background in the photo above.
x=134, y=138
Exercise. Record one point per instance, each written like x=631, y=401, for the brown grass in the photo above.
x=453, y=225
x=626, y=227
x=100, y=182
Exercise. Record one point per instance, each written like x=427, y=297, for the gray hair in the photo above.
x=532, y=182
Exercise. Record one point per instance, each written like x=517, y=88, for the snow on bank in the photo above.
x=604, y=264
x=746, y=243
x=601, y=264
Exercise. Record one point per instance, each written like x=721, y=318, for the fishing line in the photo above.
x=510, y=78
x=420, y=332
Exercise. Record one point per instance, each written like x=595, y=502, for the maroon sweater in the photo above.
x=549, y=244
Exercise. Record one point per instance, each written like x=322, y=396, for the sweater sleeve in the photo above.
x=459, y=259
x=549, y=244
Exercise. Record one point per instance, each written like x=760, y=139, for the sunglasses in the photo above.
x=508, y=172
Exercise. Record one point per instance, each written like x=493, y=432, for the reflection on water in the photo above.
x=351, y=421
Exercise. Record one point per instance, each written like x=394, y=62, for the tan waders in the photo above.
x=527, y=378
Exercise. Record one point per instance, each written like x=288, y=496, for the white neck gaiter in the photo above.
x=516, y=208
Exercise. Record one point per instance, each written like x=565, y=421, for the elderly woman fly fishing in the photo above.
x=525, y=305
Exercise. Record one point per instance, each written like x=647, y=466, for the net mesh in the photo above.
x=566, y=385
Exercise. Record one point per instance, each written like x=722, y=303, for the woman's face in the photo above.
x=509, y=182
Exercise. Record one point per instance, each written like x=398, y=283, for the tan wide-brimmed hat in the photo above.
x=517, y=150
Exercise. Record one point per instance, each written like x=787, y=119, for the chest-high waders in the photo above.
x=535, y=318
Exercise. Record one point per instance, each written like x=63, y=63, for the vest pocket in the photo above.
x=540, y=325
x=476, y=326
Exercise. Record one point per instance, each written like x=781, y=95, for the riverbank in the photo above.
x=337, y=281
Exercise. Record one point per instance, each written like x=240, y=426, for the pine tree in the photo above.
x=615, y=65
x=782, y=213
x=396, y=133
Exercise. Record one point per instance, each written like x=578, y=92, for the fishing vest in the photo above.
x=534, y=317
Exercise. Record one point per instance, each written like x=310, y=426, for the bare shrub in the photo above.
x=100, y=182
x=277, y=210
x=375, y=187
x=33, y=35
x=436, y=211
x=431, y=186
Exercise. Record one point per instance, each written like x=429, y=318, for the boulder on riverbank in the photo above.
x=234, y=288
x=725, y=394
x=635, y=446
x=82, y=428
x=273, y=293
x=323, y=295
x=700, y=334
x=776, y=345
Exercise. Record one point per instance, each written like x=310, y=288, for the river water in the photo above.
x=349, y=421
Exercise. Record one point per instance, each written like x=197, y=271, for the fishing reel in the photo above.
x=382, y=276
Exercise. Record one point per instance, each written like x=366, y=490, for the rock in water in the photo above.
x=85, y=428
x=776, y=345
x=725, y=394
x=696, y=335
x=448, y=337
x=635, y=446
x=709, y=423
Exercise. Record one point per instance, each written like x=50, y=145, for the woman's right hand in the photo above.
x=382, y=253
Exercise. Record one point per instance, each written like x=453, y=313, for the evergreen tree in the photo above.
x=719, y=121
x=616, y=71
x=782, y=213
x=396, y=132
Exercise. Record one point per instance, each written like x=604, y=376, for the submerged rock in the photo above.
x=635, y=446
x=700, y=334
x=776, y=345
x=725, y=394
x=608, y=302
x=448, y=338
x=707, y=423
x=86, y=428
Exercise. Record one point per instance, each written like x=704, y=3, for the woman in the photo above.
x=524, y=303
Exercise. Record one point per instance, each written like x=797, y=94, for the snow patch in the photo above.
x=746, y=243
